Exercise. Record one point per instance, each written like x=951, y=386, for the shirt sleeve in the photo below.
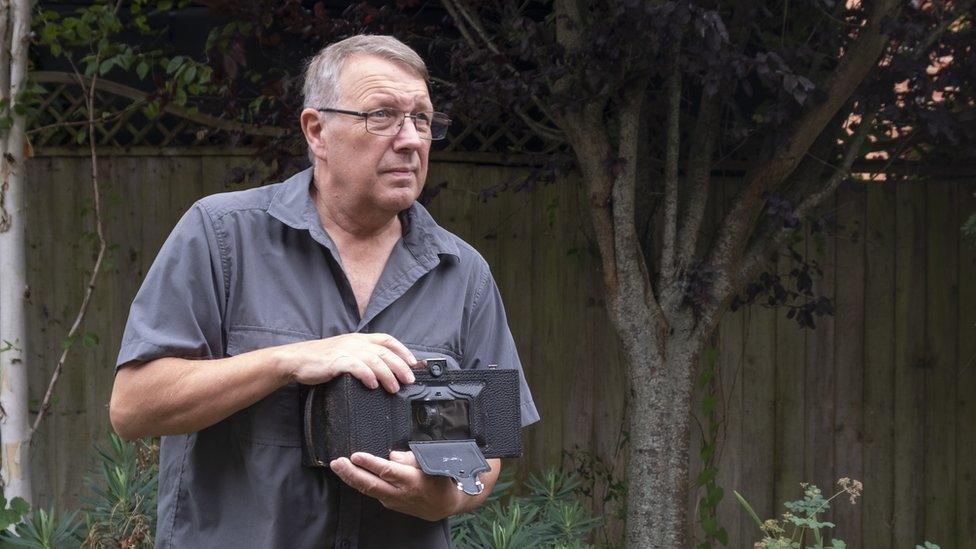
x=489, y=341
x=180, y=305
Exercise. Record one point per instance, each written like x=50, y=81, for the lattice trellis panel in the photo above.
x=58, y=119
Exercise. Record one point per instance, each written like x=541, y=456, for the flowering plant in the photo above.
x=802, y=516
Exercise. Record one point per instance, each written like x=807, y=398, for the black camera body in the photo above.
x=434, y=416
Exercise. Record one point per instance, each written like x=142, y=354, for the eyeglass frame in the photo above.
x=365, y=116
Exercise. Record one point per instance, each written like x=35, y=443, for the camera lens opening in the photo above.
x=440, y=420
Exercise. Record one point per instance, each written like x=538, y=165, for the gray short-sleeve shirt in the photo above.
x=252, y=269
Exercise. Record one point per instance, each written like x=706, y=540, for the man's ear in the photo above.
x=314, y=132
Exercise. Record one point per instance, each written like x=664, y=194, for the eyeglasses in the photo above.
x=387, y=122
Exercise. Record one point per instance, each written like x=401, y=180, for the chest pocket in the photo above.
x=423, y=352
x=276, y=419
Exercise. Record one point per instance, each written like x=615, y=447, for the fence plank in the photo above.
x=942, y=232
x=757, y=396
x=790, y=408
x=546, y=250
x=793, y=394
x=879, y=361
x=820, y=381
x=965, y=476
x=909, y=356
x=849, y=357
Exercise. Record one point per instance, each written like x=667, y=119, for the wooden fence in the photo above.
x=882, y=392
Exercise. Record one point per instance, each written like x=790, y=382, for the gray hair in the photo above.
x=321, y=89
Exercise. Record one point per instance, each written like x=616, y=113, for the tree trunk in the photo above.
x=14, y=430
x=661, y=373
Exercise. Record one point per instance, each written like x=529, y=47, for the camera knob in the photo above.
x=436, y=366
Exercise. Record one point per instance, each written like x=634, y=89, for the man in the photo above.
x=336, y=270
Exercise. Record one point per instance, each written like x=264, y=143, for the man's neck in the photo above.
x=347, y=224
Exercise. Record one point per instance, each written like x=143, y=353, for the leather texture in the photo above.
x=343, y=416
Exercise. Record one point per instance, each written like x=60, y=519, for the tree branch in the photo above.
x=771, y=241
x=702, y=146
x=634, y=283
x=861, y=57
x=102, y=246
x=460, y=14
x=698, y=175
x=586, y=133
x=459, y=7
x=672, y=152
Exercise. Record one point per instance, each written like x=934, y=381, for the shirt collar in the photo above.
x=292, y=205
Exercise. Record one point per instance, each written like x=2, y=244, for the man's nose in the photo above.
x=408, y=137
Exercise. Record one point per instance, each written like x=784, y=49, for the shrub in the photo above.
x=549, y=516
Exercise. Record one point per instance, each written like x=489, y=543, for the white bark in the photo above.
x=14, y=433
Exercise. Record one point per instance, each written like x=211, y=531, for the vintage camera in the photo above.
x=451, y=419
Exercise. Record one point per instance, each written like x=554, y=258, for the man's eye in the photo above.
x=422, y=117
x=382, y=114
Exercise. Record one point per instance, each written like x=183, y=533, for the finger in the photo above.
x=359, y=370
x=361, y=479
x=394, y=345
x=396, y=364
x=405, y=458
x=382, y=372
x=394, y=473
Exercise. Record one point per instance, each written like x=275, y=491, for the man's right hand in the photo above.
x=172, y=395
x=373, y=359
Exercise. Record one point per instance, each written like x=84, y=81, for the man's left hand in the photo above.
x=399, y=484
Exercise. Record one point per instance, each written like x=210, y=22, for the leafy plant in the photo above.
x=969, y=228
x=45, y=530
x=121, y=511
x=13, y=513
x=602, y=486
x=712, y=493
x=549, y=516
x=802, y=516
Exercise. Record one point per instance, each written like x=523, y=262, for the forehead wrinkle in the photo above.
x=379, y=84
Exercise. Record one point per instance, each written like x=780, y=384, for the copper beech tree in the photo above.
x=649, y=98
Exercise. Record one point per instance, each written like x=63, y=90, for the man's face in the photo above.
x=372, y=171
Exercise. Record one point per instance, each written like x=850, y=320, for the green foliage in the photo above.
x=549, y=516
x=121, y=510
x=44, y=530
x=969, y=229
x=802, y=517
x=602, y=486
x=90, y=39
x=712, y=493
x=13, y=513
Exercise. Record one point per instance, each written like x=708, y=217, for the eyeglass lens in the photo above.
x=387, y=122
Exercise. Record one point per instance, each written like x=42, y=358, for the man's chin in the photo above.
x=400, y=199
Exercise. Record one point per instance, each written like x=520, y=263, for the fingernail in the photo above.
x=413, y=359
x=374, y=384
x=396, y=386
x=410, y=378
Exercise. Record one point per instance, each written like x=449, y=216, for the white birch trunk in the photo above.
x=14, y=425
